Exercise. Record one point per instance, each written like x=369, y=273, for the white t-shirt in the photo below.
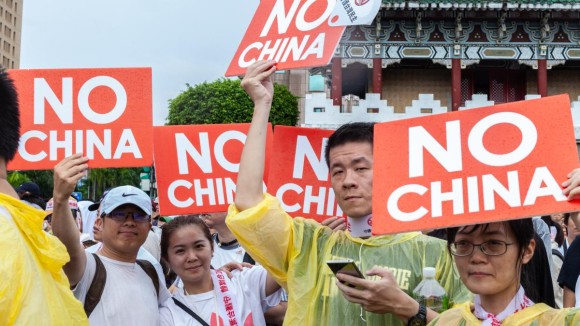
x=142, y=254
x=226, y=254
x=249, y=289
x=577, y=292
x=129, y=297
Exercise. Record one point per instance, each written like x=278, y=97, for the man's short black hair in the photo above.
x=354, y=132
x=10, y=118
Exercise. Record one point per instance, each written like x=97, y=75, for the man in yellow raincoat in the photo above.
x=295, y=251
x=33, y=287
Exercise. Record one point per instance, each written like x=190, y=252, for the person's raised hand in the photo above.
x=572, y=185
x=66, y=175
x=258, y=83
x=335, y=223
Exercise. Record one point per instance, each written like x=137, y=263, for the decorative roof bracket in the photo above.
x=458, y=26
x=545, y=31
x=502, y=27
x=419, y=27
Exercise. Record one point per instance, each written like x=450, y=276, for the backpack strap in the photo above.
x=97, y=286
x=151, y=272
x=557, y=252
x=248, y=259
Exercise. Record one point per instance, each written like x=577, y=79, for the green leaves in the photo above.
x=224, y=101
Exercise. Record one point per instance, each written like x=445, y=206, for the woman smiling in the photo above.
x=210, y=297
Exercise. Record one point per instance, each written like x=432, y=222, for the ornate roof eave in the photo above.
x=483, y=5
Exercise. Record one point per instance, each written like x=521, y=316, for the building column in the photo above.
x=542, y=78
x=336, y=90
x=455, y=84
x=378, y=76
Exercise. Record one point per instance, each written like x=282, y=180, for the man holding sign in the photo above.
x=295, y=251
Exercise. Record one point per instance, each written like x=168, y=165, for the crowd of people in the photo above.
x=117, y=262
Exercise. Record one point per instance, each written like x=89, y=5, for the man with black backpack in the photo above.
x=114, y=287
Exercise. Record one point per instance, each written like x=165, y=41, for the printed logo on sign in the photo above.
x=354, y=12
x=361, y=2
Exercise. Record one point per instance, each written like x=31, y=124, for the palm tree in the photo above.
x=100, y=179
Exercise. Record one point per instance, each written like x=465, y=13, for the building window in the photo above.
x=5, y=62
x=372, y=110
x=318, y=110
x=426, y=110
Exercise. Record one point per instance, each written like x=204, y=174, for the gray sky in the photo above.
x=184, y=41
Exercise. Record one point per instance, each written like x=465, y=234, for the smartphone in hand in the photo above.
x=346, y=266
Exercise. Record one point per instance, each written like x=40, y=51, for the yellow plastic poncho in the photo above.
x=537, y=315
x=295, y=251
x=33, y=287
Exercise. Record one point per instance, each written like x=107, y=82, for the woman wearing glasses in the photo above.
x=490, y=259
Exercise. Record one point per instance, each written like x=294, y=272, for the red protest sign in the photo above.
x=295, y=33
x=299, y=175
x=474, y=166
x=196, y=166
x=106, y=114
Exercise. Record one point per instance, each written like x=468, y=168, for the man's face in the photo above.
x=351, y=176
x=128, y=235
x=215, y=219
x=573, y=227
x=97, y=229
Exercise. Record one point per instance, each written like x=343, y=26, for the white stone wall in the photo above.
x=424, y=105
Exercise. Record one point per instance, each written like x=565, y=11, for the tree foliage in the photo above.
x=92, y=187
x=224, y=101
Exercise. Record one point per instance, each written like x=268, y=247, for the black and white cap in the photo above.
x=124, y=195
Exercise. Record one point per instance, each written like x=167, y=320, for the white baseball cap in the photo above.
x=124, y=195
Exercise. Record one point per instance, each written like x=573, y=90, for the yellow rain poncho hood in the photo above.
x=295, y=251
x=33, y=287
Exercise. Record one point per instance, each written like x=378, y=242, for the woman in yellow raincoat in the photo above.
x=489, y=258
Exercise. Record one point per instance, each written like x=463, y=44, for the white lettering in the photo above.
x=185, y=148
x=22, y=146
x=420, y=139
x=543, y=176
x=393, y=203
x=527, y=145
x=219, y=149
x=304, y=151
x=438, y=197
x=102, y=118
x=63, y=109
x=491, y=186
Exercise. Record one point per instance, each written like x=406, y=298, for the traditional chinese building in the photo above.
x=423, y=57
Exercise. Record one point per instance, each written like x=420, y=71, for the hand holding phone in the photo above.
x=346, y=266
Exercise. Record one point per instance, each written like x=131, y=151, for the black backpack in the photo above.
x=98, y=284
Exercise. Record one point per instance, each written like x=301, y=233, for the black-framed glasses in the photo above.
x=490, y=248
x=121, y=217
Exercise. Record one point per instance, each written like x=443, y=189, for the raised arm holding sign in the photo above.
x=295, y=251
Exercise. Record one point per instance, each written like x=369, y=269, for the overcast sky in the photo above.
x=184, y=41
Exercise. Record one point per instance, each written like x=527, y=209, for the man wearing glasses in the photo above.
x=126, y=221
